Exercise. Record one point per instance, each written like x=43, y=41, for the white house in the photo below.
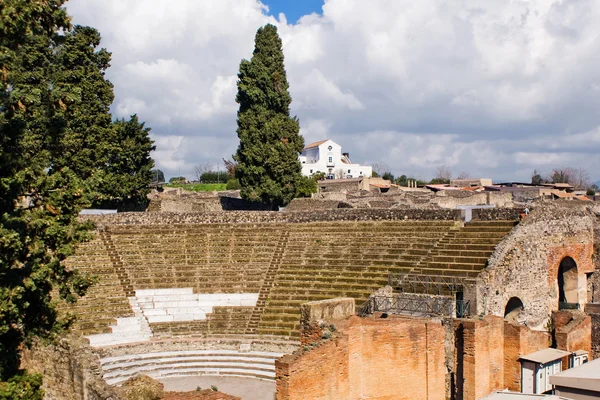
x=326, y=156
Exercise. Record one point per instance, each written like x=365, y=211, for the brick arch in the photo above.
x=513, y=308
x=580, y=254
x=567, y=281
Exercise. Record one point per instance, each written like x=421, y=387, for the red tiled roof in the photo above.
x=315, y=144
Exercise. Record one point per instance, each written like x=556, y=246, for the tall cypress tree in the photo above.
x=38, y=203
x=268, y=167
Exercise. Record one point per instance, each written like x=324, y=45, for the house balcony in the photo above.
x=330, y=164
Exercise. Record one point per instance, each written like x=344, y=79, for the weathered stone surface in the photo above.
x=525, y=263
x=205, y=394
x=71, y=370
x=142, y=387
x=245, y=217
x=327, y=310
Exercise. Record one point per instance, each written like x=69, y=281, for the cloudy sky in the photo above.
x=495, y=88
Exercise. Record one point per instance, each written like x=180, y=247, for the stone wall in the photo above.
x=312, y=205
x=157, y=346
x=525, y=263
x=179, y=200
x=494, y=214
x=595, y=335
x=71, y=370
x=248, y=217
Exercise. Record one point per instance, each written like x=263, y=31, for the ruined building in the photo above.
x=446, y=309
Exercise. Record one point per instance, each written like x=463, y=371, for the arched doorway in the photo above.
x=567, y=284
x=513, y=309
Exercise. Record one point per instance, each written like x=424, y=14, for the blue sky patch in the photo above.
x=294, y=9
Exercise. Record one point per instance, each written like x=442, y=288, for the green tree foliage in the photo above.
x=124, y=182
x=268, y=168
x=233, y=184
x=388, y=175
x=58, y=149
x=78, y=74
x=439, y=181
x=214, y=177
x=22, y=386
x=307, y=186
x=39, y=196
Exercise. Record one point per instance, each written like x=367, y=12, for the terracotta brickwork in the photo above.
x=480, y=366
x=519, y=341
x=375, y=358
x=572, y=331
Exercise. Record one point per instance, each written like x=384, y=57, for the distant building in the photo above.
x=326, y=156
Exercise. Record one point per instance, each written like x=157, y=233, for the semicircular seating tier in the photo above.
x=205, y=280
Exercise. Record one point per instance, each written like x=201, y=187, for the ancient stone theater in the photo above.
x=333, y=304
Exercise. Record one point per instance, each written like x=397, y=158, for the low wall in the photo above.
x=494, y=214
x=312, y=205
x=246, y=217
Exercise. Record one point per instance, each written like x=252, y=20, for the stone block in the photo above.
x=327, y=310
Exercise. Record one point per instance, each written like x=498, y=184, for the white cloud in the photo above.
x=489, y=87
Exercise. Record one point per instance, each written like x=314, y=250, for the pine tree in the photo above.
x=268, y=168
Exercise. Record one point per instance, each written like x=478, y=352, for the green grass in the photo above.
x=198, y=187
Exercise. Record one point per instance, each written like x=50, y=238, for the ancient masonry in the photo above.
x=220, y=293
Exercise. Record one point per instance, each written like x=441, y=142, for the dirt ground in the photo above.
x=247, y=389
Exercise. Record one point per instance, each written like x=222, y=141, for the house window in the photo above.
x=311, y=171
x=348, y=171
x=361, y=172
x=330, y=159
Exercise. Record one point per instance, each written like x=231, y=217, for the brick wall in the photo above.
x=519, y=341
x=373, y=358
x=481, y=357
x=572, y=330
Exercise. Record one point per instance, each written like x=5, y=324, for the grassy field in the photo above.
x=198, y=187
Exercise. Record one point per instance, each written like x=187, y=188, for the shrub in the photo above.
x=22, y=386
x=214, y=388
x=233, y=184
